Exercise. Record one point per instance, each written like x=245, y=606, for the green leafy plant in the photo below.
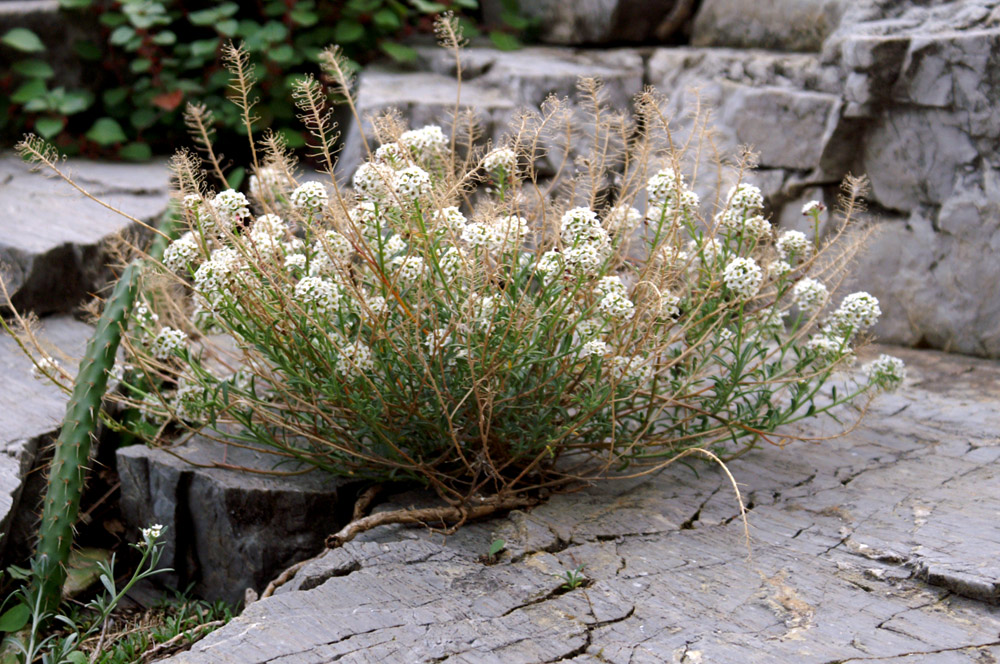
x=574, y=578
x=161, y=54
x=454, y=320
x=32, y=614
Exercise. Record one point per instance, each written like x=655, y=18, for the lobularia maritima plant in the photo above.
x=453, y=318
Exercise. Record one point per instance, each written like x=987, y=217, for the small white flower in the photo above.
x=412, y=183
x=549, y=264
x=410, y=268
x=192, y=202
x=394, y=246
x=586, y=259
x=664, y=186
x=449, y=219
x=437, y=339
x=580, y=224
x=809, y=294
x=595, y=347
x=794, y=244
x=670, y=306
x=368, y=217
x=216, y=274
x=181, y=253
x=295, y=262
x=631, y=368
x=829, y=347
x=268, y=181
x=725, y=335
x=708, y=249
x=167, y=342
x=355, y=358
x=743, y=277
x=232, y=206
x=391, y=154
x=151, y=533
x=608, y=285
x=373, y=181
x=45, y=367
x=780, y=268
x=329, y=251
x=887, y=372
x=757, y=226
x=425, y=141
x=272, y=225
x=857, y=312
x=617, y=305
x=501, y=159
x=450, y=262
x=309, y=197
x=318, y=291
x=588, y=327
x=812, y=207
x=746, y=198
x=377, y=304
x=478, y=234
x=189, y=401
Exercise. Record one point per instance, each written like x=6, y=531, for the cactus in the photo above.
x=72, y=448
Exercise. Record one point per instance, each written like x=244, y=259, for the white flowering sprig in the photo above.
x=449, y=320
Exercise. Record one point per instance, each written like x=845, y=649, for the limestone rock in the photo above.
x=589, y=22
x=779, y=25
x=876, y=546
x=228, y=530
x=495, y=84
x=30, y=414
x=52, y=238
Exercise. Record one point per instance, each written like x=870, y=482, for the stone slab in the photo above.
x=30, y=413
x=879, y=546
x=228, y=530
x=52, y=237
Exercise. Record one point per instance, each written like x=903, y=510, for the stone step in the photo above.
x=31, y=411
x=53, y=239
x=880, y=545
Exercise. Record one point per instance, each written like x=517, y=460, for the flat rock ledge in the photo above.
x=880, y=546
x=53, y=239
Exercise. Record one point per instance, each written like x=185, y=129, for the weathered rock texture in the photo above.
x=52, y=238
x=880, y=546
x=591, y=22
x=782, y=25
x=228, y=530
x=30, y=414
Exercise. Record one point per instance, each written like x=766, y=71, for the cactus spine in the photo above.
x=72, y=448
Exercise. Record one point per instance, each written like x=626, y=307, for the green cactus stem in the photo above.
x=72, y=448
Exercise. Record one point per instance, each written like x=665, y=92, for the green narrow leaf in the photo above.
x=283, y=54
x=387, y=20
x=121, y=35
x=227, y=27
x=106, y=131
x=74, y=4
x=32, y=89
x=304, y=17
x=236, y=177
x=496, y=547
x=23, y=39
x=428, y=7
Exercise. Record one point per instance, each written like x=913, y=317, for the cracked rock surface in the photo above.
x=880, y=546
x=52, y=238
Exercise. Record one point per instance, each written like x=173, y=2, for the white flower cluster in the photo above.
x=857, y=312
x=395, y=246
x=829, y=347
x=595, y=347
x=410, y=268
x=328, y=252
x=450, y=262
x=809, y=294
x=633, y=368
x=744, y=202
x=886, y=372
x=501, y=159
x=502, y=234
x=295, y=262
x=368, y=217
x=670, y=306
x=232, y=207
x=437, y=339
x=449, y=220
x=708, y=249
x=189, y=401
x=151, y=533
x=550, y=264
x=425, y=141
x=356, y=357
x=309, y=197
x=484, y=309
x=45, y=367
x=743, y=277
x=216, y=274
x=390, y=154
x=180, y=253
x=588, y=327
x=793, y=244
x=616, y=305
x=812, y=208
x=167, y=342
x=588, y=244
x=779, y=268
x=373, y=181
x=412, y=183
x=322, y=293
x=669, y=195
